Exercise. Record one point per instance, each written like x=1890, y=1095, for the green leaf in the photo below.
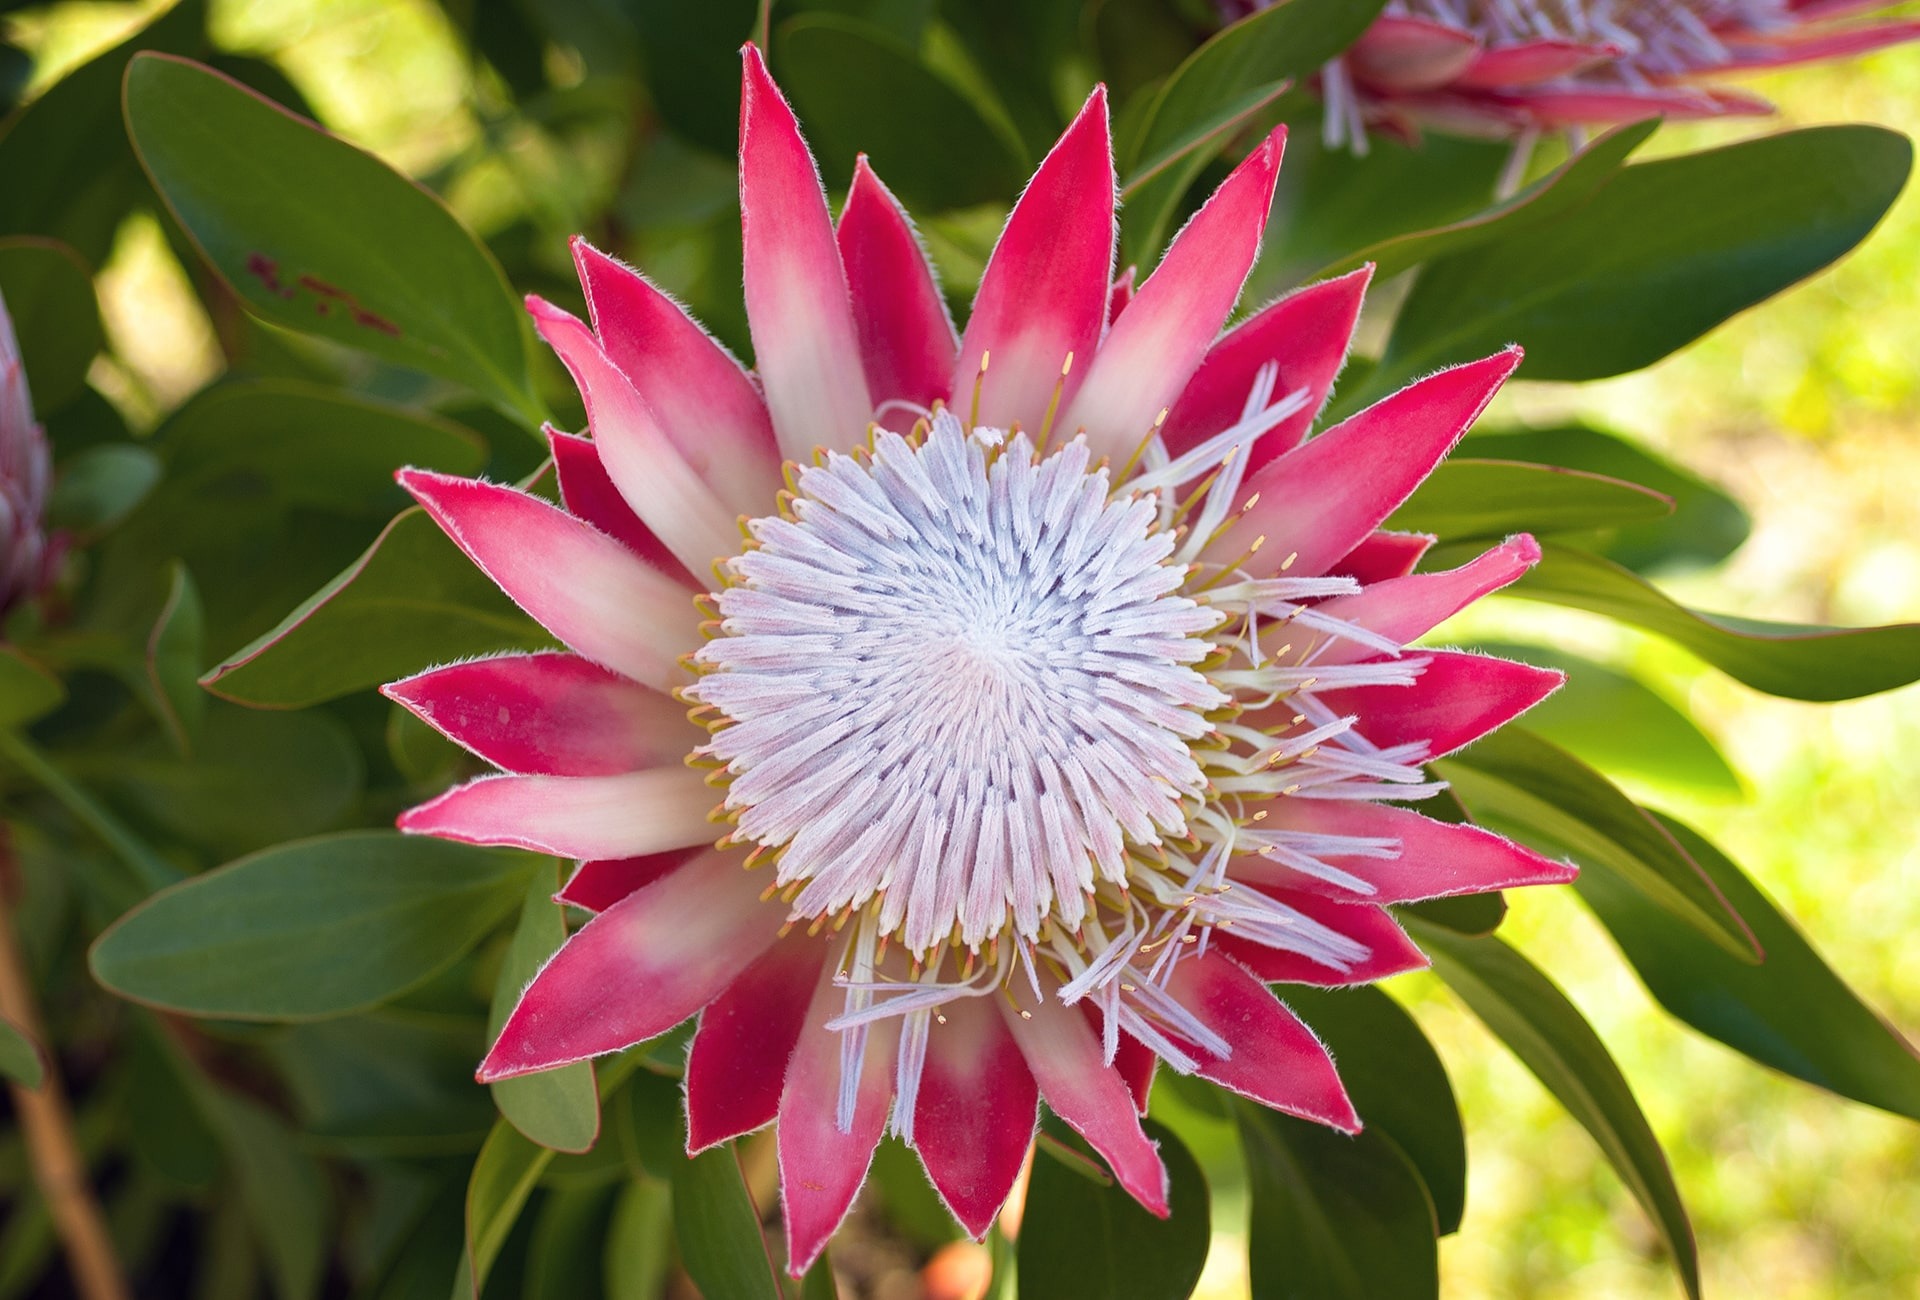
x=27, y=691
x=931, y=146
x=639, y=1242
x=391, y=1083
x=270, y=467
x=281, y=1187
x=1659, y=255
x=100, y=486
x=1553, y=194
x=316, y=236
x=1096, y=1243
x=563, y=1254
x=1791, y=1012
x=254, y=778
x=1528, y=1013
x=1468, y=914
x=321, y=927
x=173, y=660
x=1397, y=1084
x=503, y=1178
x=691, y=53
x=713, y=1216
x=20, y=1057
x=1519, y=781
x=1796, y=661
x=1334, y=1217
x=556, y=1108
x=49, y=295
x=410, y=601
x=1706, y=525
x=1616, y=724
x=1220, y=87
x=70, y=174
x=1467, y=499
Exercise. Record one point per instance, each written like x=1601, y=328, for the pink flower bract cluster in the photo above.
x=1048, y=698
x=25, y=475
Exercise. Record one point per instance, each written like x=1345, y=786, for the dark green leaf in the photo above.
x=317, y=928
x=503, y=1177
x=639, y=1242
x=272, y=486
x=27, y=691
x=1397, y=1084
x=1334, y=1217
x=931, y=146
x=70, y=174
x=393, y=1083
x=173, y=661
x=563, y=1255
x=1706, y=525
x=718, y=1230
x=316, y=236
x=1791, y=1012
x=1467, y=499
x=1216, y=90
x=48, y=292
x=280, y=1185
x=692, y=58
x=1796, y=661
x=1096, y=1243
x=254, y=778
x=1016, y=45
x=20, y=1057
x=1660, y=254
x=1614, y=723
x=101, y=486
x=1469, y=914
x=556, y=1108
x=1528, y=1013
x=410, y=601
x=1519, y=781
x=1553, y=194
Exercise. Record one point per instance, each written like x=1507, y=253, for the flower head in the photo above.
x=25, y=472
x=1051, y=701
x=1516, y=68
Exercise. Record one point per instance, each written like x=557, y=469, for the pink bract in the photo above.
x=1057, y=702
x=1518, y=68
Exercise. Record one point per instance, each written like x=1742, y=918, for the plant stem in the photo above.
x=58, y=1168
x=154, y=872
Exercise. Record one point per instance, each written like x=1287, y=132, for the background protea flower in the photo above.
x=1521, y=67
x=25, y=472
x=1056, y=704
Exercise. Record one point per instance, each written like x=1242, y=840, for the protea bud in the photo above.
x=25, y=472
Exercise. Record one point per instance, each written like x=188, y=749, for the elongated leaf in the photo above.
x=1553, y=194
x=1516, y=780
x=27, y=691
x=20, y=1058
x=1334, y=1217
x=563, y=1255
x=1469, y=914
x=503, y=1178
x=1467, y=499
x=323, y=238
x=100, y=486
x=1397, y=1084
x=1216, y=90
x=1613, y=722
x=281, y=1187
x=320, y=927
x=173, y=660
x=1706, y=525
x=390, y=1083
x=410, y=601
x=1659, y=255
x=1796, y=661
x=49, y=295
x=556, y=1108
x=931, y=146
x=1791, y=1012
x=639, y=1242
x=1528, y=1013
x=1096, y=1243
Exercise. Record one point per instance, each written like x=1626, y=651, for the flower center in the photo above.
x=956, y=683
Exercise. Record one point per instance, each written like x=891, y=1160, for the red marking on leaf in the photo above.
x=267, y=272
x=323, y=287
x=361, y=316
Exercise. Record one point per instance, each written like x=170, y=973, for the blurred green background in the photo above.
x=1805, y=409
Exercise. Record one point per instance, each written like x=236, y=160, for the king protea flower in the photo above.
x=1517, y=68
x=1053, y=700
x=25, y=472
